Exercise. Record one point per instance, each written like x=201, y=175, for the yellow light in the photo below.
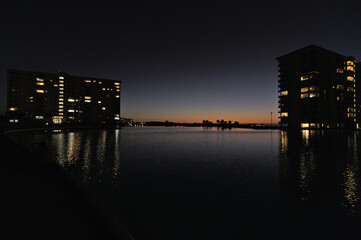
x=118, y=90
x=117, y=96
x=305, y=125
x=87, y=81
x=55, y=85
x=303, y=78
x=61, y=92
x=71, y=100
x=71, y=117
x=13, y=109
x=339, y=70
x=100, y=82
x=61, y=81
x=61, y=85
x=284, y=114
x=350, y=68
x=39, y=79
x=305, y=89
x=40, y=83
x=116, y=83
x=61, y=114
x=103, y=108
x=349, y=78
x=39, y=91
x=61, y=103
x=61, y=77
x=103, y=89
x=350, y=63
x=87, y=97
x=61, y=106
x=60, y=110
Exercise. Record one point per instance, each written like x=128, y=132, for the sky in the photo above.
x=181, y=61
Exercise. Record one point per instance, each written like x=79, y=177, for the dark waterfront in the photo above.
x=204, y=183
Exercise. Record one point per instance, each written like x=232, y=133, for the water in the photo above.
x=208, y=183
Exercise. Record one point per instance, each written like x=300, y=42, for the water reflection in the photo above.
x=94, y=155
x=321, y=167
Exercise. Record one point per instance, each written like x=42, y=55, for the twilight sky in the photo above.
x=179, y=61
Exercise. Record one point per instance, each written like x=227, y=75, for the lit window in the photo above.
x=55, y=85
x=61, y=85
x=339, y=70
x=61, y=106
x=339, y=87
x=350, y=114
x=13, y=109
x=350, y=110
x=305, y=89
x=87, y=81
x=71, y=110
x=303, y=78
x=60, y=110
x=87, y=97
x=61, y=99
x=350, y=78
x=305, y=95
x=117, y=96
x=349, y=68
x=284, y=114
x=71, y=100
x=61, y=89
x=338, y=98
x=118, y=90
x=61, y=92
x=39, y=117
x=103, y=108
x=313, y=95
x=100, y=82
x=39, y=91
x=313, y=88
x=61, y=95
x=61, y=103
x=40, y=83
x=103, y=89
x=71, y=117
x=61, y=81
x=350, y=89
x=61, y=77
x=283, y=93
x=116, y=83
x=349, y=63
x=39, y=79
x=99, y=102
x=305, y=125
x=87, y=101
x=116, y=118
x=117, y=86
x=61, y=114
x=117, y=115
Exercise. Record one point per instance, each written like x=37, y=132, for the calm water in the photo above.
x=199, y=183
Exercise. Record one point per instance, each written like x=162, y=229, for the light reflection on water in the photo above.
x=167, y=180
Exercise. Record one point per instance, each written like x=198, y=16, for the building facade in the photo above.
x=45, y=99
x=318, y=88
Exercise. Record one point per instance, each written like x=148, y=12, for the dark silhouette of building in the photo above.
x=318, y=89
x=46, y=98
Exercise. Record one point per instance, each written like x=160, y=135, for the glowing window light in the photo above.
x=13, y=109
x=117, y=115
x=61, y=106
x=284, y=114
x=40, y=83
x=61, y=81
x=87, y=81
x=61, y=92
x=117, y=86
x=71, y=100
x=94, y=81
x=61, y=85
x=39, y=91
x=339, y=87
x=116, y=83
x=87, y=97
x=71, y=110
x=61, y=77
x=350, y=63
x=61, y=114
x=61, y=89
x=103, y=108
x=71, y=117
x=87, y=101
x=39, y=79
x=339, y=70
x=116, y=118
x=303, y=78
x=305, y=89
x=100, y=82
x=61, y=99
x=350, y=78
x=305, y=95
x=305, y=125
x=99, y=102
x=61, y=95
x=103, y=89
x=61, y=103
x=39, y=117
x=118, y=90
x=117, y=96
x=350, y=68
x=60, y=110
x=283, y=93
x=55, y=85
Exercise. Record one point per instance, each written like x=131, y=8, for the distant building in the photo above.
x=46, y=98
x=319, y=88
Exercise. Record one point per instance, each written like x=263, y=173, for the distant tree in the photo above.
x=229, y=122
x=236, y=123
x=218, y=121
x=222, y=122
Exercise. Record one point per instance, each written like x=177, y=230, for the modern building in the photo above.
x=47, y=98
x=318, y=88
